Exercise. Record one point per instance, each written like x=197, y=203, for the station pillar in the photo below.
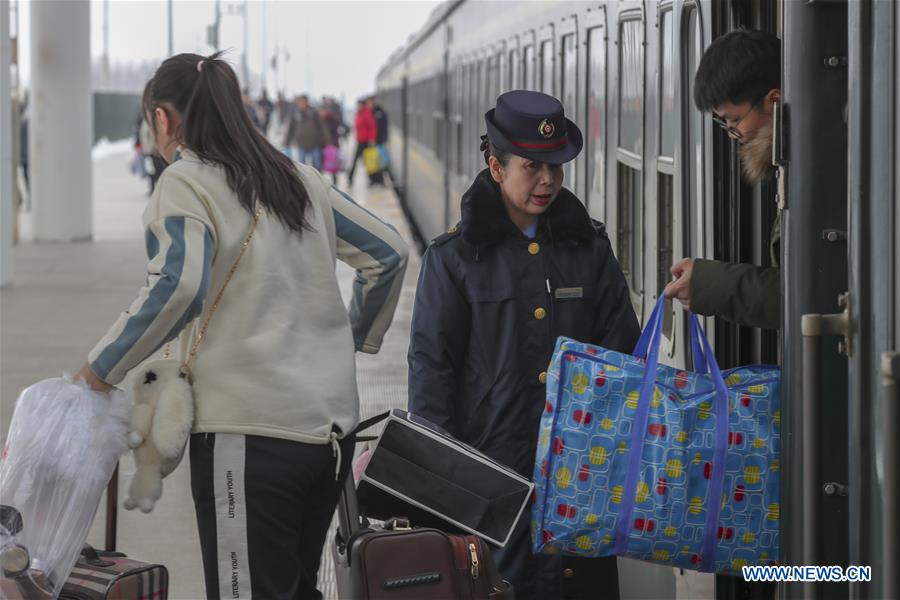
x=61, y=125
x=7, y=198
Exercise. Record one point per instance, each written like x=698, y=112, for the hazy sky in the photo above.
x=334, y=46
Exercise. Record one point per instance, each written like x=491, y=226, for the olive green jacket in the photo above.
x=746, y=294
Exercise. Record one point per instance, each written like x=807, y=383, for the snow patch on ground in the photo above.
x=105, y=148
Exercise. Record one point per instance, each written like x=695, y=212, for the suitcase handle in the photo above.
x=365, y=424
x=348, y=508
x=92, y=557
x=112, y=510
x=504, y=591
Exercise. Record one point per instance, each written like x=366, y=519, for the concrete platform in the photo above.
x=64, y=297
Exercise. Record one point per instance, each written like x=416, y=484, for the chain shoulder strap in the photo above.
x=201, y=335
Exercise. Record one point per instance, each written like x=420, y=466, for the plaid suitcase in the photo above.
x=96, y=575
x=111, y=575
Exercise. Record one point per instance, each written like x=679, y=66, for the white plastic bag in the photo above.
x=64, y=442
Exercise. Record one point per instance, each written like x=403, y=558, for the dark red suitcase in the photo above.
x=397, y=562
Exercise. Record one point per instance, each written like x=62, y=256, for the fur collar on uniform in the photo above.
x=484, y=219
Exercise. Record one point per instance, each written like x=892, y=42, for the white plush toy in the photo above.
x=161, y=421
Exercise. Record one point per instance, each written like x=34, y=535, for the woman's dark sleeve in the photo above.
x=439, y=336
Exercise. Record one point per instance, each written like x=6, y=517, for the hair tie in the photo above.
x=200, y=66
x=484, y=143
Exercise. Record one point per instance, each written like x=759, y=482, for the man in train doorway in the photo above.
x=739, y=80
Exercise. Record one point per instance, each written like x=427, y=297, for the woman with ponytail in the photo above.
x=525, y=265
x=274, y=380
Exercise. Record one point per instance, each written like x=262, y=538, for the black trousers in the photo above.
x=263, y=510
x=360, y=146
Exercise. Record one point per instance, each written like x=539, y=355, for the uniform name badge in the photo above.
x=570, y=292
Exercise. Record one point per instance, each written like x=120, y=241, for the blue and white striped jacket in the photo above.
x=278, y=358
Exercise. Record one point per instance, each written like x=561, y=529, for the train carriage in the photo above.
x=666, y=182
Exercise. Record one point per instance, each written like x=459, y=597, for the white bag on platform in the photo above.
x=64, y=443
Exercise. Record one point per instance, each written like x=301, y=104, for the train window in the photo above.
x=421, y=102
x=595, y=146
x=477, y=81
x=489, y=78
x=484, y=84
x=692, y=49
x=628, y=249
x=528, y=68
x=547, y=67
x=436, y=116
x=667, y=89
x=631, y=85
x=569, y=78
x=497, y=77
x=473, y=123
x=465, y=116
x=459, y=149
x=503, y=73
x=457, y=111
x=629, y=199
x=693, y=203
x=515, y=70
x=665, y=217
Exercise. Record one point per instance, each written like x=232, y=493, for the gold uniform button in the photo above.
x=539, y=313
x=543, y=377
x=534, y=248
x=568, y=573
x=452, y=229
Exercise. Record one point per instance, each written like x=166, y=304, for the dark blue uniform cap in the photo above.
x=534, y=126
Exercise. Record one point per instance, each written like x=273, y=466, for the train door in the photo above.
x=812, y=132
x=693, y=193
x=625, y=180
x=874, y=294
x=660, y=134
x=743, y=222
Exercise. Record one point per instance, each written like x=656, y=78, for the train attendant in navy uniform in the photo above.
x=525, y=265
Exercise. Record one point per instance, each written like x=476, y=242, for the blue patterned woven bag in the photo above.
x=680, y=468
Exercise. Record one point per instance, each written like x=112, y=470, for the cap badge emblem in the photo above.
x=546, y=129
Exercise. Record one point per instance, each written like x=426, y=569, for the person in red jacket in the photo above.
x=366, y=131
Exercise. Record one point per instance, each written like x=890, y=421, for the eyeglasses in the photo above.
x=732, y=130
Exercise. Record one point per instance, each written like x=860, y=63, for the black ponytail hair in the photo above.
x=489, y=149
x=215, y=126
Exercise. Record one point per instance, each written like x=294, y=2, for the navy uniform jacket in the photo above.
x=489, y=306
x=484, y=325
